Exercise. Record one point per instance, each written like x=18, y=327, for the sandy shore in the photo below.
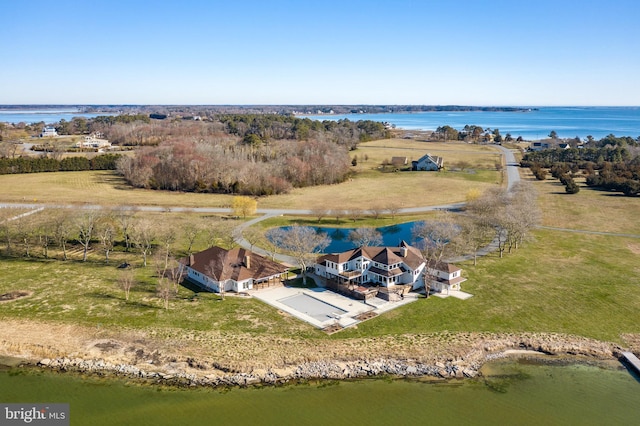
x=212, y=358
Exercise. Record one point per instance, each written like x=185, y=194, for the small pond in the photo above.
x=391, y=236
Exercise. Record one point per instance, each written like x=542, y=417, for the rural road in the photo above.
x=512, y=177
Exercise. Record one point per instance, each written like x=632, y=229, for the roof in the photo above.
x=430, y=159
x=384, y=255
x=444, y=267
x=220, y=264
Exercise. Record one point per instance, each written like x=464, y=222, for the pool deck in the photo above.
x=353, y=308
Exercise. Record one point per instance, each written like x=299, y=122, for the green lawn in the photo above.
x=580, y=284
x=583, y=284
x=88, y=294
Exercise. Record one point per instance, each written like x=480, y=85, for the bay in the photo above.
x=49, y=116
x=531, y=124
x=511, y=392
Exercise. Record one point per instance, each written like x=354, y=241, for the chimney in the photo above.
x=403, y=251
x=247, y=262
x=192, y=260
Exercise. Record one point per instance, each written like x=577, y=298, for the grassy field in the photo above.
x=585, y=285
x=581, y=284
x=404, y=189
x=87, y=294
x=590, y=209
x=375, y=152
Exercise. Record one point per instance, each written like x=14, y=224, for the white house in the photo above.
x=387, y=267
x=239, y=269
x=93, y=141
x=48, y=132
x=444, y=277
x=428, y=162
x=539, y=146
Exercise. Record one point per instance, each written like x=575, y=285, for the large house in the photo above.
x=93, y=141
x=238, y=269
x=387, y=267
x=428, y=162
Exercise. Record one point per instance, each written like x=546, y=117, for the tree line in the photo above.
x=473, y=133
x=227, y=166
x=141, y=129
x=613, y=168
x=46, y=164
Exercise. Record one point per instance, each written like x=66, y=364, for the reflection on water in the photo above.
x=391, y=236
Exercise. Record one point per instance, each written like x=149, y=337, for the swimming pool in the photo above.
x=315, y=308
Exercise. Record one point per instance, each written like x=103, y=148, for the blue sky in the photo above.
x=541, y=52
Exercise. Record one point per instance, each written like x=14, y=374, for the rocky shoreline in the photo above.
x=188, y=372
x=210, y=358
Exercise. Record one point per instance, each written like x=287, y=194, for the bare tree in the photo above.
x=489, y=210
x=393, y=209
x=338, y=213
x=522, y=213
x=164, y=290
x=192, y=231
x=126, y=282
x=62, y=230
x=5, y=215
x=85, y=226
x=175, y=273
x=167, y=237
x=253, y=236
x=355, y=213
x=214, y=232
x=512, y=214
x=142, y=235
x=472, y=237
x=376, y=211
x=125, y=216
x=304, y=244
x=272, y=236
x=106, y=231
x=366, y=236
x=45, y=234
x=436, y=236
x=320, y=213
x=25, y=231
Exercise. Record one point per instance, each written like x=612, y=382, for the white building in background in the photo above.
x=48, y=132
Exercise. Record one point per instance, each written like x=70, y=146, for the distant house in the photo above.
x=428, y=162
x=48, y=132
x=399, y=161
x=238, y=269
x=387, y=267
x=539, y=146
x=93, y=141
x=564, y=146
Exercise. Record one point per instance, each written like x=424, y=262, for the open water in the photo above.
x=512, y=393
x=533, y=124
x=49, y=116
